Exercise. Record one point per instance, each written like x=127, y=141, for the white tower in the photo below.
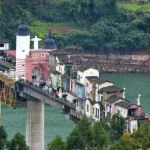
x=22, y=49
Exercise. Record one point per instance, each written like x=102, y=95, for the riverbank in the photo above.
x=113, y=62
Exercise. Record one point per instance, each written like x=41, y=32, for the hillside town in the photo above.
x=53, y=71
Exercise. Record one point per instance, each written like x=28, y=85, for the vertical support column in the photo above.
x=35, y=125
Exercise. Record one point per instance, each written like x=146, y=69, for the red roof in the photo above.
x=11, y=52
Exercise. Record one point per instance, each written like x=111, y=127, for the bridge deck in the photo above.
x=30, y=91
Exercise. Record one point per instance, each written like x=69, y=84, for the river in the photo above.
x=135, y=83
x=14, y=120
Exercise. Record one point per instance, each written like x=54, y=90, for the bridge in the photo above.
x=12, y=91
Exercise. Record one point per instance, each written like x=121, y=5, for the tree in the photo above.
x=81, y=137
x=57, y=144
x=101, y=138
x=117, y=127
x=3, y=138
x=124, y=143
x=18, y=142
x=142, y=136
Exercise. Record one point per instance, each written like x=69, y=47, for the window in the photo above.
x=86, y=93
x=1, y=45
x=87, y=84
x=23, y=50
x=87, y=107
x=77, y=102
x=43, y=61
x=35, y=55
x=22, y=65
x=35, y=61
x=99, y=98
x=59, y=68
x=79, y=77
x=102, y=98
x=53, y=61
x=43, y=55
x=93, y=110
x=22, y=75
x=98, y=113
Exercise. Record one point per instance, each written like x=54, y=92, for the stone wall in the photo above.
x=113, y=62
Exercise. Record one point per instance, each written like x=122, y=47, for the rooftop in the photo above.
x=97, y=79
x=110, y=89
x=11, y=52
x=83, y=68
x=3, y=41
x=58, y=52
x=63, y=58
x=123, y=104
x=56, y=72
x=5, y=65
x=112, y=99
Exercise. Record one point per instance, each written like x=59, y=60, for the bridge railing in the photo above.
x=41, y=91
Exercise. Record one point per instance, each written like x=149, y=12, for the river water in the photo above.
x=135, y=83
x=14, y=120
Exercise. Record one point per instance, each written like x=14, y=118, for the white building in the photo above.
x=22, y=49
x=4, y=44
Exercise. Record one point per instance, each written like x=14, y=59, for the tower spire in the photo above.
x=50, y=33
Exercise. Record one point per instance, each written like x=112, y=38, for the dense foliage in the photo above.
x=17, y=143
x=101, y=136
x=57, y=144
x=95, y=24
x=3, y=138
x=139, y=141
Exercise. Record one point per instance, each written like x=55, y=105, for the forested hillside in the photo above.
x=102, y=25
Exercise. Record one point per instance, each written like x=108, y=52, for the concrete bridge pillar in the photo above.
x=35, y=125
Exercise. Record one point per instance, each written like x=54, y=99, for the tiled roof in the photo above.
x=63, y=58
x=97, y=79
x=110, y=89
x=83, y=68
x=4, y=40
x=79, y=83
x=112, y=99
x=65, y=63
x=58, y=52
x=92, y=78
x=123, y=104
x=11, y=52
x=56, y=72
x=5, y=64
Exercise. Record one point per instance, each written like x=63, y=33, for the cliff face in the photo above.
x=114, y=63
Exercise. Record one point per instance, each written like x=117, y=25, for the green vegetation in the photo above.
x=139, y=140
x=99, y=136
x=57, y=144
x=102, y=25
x=17, y=143
x=134, y=6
